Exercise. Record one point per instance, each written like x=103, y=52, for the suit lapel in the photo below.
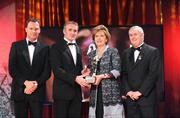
x=130, y=58
x=78, y=55
x=141, y=56
x=25, y=51
x=36, y=51
x=68, y=53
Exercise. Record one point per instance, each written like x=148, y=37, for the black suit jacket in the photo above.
x=141, y=75
x=65, y=71
x=20, y=69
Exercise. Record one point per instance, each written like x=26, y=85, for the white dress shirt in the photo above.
x=31, y=49
x=136, y=53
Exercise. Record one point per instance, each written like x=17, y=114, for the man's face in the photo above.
x=32, y=30
x=70, y=32
x=136, y=37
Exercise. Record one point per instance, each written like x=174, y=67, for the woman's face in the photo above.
x=100, y=38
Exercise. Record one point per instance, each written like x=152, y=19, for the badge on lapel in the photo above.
x=140, y=57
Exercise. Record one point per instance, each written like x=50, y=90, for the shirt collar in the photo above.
x=138, y=46
x=74, y=41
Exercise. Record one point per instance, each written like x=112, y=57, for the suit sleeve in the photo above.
x=45, y=74
x=124, y=75
x=13, y=67
x=152, y=77
x=115, y=63
x=57, y=67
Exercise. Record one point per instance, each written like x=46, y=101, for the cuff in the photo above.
x=115, y=73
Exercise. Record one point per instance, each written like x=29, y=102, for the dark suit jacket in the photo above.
x=65, y=71
x=21, y=70
x=142, y=74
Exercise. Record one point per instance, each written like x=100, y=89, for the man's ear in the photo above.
x=64, y=31
x=26, y=30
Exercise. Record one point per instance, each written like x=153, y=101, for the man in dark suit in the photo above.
x=29, y=67
x=139, y=75
x=67, y=65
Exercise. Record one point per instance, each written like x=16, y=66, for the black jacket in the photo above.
x=20, y=69
x=65, y=71
x=141, y=75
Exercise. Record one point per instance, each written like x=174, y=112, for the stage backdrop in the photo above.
x=116, y=12
x=7, y=36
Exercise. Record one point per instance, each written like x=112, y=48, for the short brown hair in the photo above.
x=70, y=22
x=101, y=28
x=31, y=20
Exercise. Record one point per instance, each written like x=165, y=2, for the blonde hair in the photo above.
x=70, y=22
x=101, y=28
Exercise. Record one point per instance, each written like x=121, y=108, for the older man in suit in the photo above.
x=29, y=67
x=67, y=65
x=139, y=69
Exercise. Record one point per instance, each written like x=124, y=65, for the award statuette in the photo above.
x=91, y=79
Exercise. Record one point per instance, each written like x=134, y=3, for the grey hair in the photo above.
x=138, y=28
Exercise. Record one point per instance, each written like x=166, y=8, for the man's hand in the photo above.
x=28, y=91
x=31, y=86
x=81, y=81
x=130, y=94
x=134, y=95
x=85, y=72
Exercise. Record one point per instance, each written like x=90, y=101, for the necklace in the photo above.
x=100, y=52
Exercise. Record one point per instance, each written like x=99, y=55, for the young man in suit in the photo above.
x=139, y=75
x=30, y=68
x=66, y=63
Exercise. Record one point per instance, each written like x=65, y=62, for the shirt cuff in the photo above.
x=115, y=73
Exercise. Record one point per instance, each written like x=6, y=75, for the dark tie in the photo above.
x=71, y=43
x=134, y=49
x=32, y=43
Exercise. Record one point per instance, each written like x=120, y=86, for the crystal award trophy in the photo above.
x=90, y=79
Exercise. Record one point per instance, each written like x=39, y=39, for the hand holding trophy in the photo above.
x=86, y=73
x=91, y=78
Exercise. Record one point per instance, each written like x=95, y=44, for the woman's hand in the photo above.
x=98, y=79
